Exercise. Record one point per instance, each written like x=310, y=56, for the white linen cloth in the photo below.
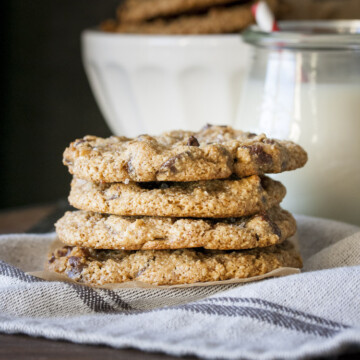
x=316, y=312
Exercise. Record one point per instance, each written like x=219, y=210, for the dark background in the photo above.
x=46, y=101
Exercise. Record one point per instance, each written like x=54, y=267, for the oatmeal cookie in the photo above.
x=140, y=10
x=179, y=17
x=102, y=231
x=169, y=267
x=213, y=198
x=214, y=152
x=215, y=21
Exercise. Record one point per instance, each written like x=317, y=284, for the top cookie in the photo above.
x=217, y=20
x=215, y=152
x=181, y=17
x=140, y=10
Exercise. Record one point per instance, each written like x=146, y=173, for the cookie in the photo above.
x=233, y=17
x=217, y=20
x=140, y=10
x=101, y=231
x=215, y=152
x=169, y=267
x=213, y=198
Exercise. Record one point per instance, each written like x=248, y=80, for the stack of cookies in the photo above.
x=178, y=208
x=183, y=17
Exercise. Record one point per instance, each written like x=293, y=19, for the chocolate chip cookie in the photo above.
x=183, y=16
x=214, y=21
x=140, y=10
x=212, y=198
x=215, y=152
x=102, y=231
x=169, y=267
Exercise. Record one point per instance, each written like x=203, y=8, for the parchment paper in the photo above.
x=52, y=276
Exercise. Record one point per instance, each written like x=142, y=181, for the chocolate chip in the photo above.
x=275, y=229
x=76, y=267
x=251, y=135
x=64, y=251
x=74, y=261
x=269, y=141
x=170, y=164
x=192, y=141
x=52, y=259
x=175, y=163
x=260, y=155
x=61, y=253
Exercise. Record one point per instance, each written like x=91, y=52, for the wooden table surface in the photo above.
x=40, y=219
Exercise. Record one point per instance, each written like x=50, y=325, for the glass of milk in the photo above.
x=304, y=85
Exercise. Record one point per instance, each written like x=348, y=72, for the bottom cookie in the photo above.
x=169, y=267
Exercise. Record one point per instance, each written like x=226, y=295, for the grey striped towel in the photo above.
x=313, y=313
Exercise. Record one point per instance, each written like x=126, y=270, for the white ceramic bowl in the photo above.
x=153, y=83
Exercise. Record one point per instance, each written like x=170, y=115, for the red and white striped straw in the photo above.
x=264, y=16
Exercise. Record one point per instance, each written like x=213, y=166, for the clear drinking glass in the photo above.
x=304, y=85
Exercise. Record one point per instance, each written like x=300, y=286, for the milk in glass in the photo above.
x=311, y=96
